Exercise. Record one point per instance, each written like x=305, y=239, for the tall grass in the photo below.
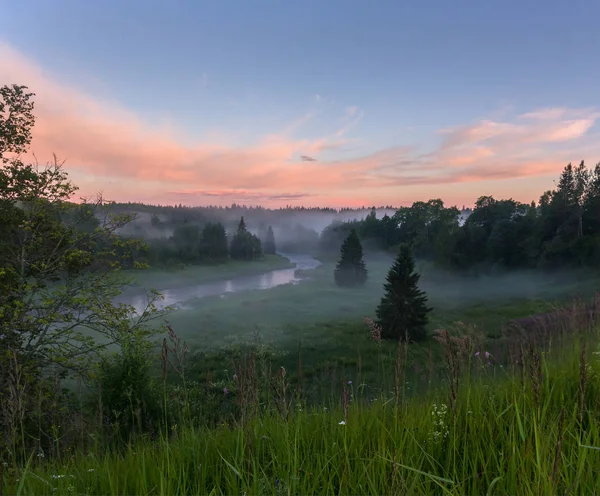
x=523, y=423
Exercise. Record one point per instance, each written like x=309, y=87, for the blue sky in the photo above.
x=386, y=74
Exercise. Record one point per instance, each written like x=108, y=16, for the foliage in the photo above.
x=214, y=246
x=402, y=312
x=59, y=263
x=129, y=395
x=245, y=245
x=16, y=119
x=350, y=270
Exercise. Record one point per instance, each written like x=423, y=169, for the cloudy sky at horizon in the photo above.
x=330, y=103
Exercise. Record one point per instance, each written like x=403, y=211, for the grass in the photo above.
x=426, y=418
x=329, y=320
x=502, y=437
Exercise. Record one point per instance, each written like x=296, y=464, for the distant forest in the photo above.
x=560, y=230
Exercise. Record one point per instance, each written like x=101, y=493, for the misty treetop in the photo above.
x=350, y=270
x=561, y=230
x=402, y=312
x=269, y=243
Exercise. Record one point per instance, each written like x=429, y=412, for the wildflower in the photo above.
x=225, y=390
x=235, y=377
x=349, y=382
x=477, y=354
x=487, y=354
x=91, y=470
x=343, y=422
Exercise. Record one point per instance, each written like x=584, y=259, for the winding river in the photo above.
x=177, y=297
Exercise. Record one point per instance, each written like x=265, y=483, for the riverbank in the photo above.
x=162, y=279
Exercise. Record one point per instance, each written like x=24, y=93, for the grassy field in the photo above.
x=341, y=414
x=329, y=320
x=532, y=428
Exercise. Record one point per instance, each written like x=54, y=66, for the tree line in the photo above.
x=192, y=244
x=560, y=230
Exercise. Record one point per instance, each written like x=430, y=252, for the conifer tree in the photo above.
x=241, y=225
x=245, y=245
x=269, y=247
x=351, y=270
x=402, y=312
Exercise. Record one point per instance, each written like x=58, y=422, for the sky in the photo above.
x=316, y=103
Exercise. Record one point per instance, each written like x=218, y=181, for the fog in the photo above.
x=280, y=220
x=287, y=304
x=284, y=302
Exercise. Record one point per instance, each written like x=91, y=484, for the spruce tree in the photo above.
x=403, y=309
x=351, y=270
x=270, y=248
x=245, y=245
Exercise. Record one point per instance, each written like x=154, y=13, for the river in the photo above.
x=177, y=297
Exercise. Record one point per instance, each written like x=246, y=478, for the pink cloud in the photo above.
x=103, y=140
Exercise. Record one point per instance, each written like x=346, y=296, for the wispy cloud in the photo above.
x=239, y=195
x=105, y=140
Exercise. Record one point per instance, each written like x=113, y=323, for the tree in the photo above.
x=214, y=243
x=245, y=245
x=155, y=221
x=270, y=248
x=351, y=270
x=59, y=261
x=402, y=312
x=429, y=228
x=186, y=238
x=16, y=119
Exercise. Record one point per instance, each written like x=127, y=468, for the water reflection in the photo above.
x=178, y=296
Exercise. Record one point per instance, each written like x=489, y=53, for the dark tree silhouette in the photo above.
x=245, y=245
x=351, y=270
x=214, y=243
x=402, y=312
x=269, y=246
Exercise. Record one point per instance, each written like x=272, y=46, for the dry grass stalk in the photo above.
x=455, y=349
x=583, y=378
